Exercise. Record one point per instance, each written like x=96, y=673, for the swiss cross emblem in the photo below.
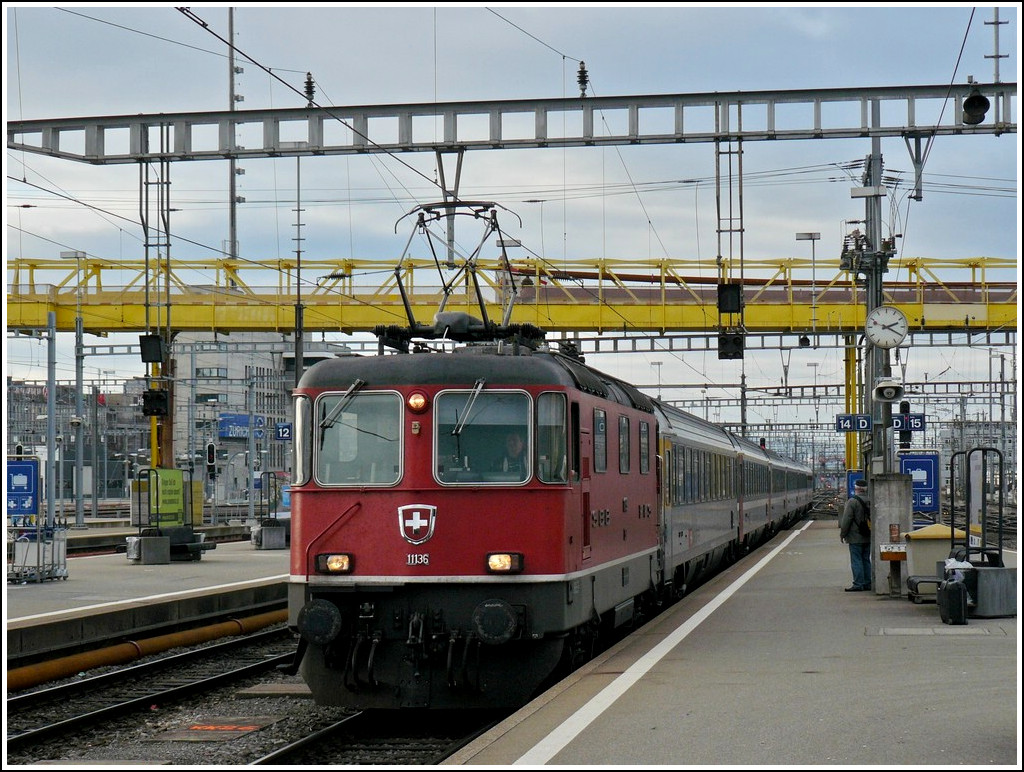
x=416, y=522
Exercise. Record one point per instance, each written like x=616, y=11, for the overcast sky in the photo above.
x=624, y=202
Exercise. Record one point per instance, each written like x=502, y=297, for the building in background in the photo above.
x=225, y=387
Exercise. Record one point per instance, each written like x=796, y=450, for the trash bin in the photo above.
x=927, y=550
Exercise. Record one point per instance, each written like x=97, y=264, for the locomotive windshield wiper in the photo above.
x=331, y=417
x=477, y=388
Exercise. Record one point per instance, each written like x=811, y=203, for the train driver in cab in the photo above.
x=514, y=461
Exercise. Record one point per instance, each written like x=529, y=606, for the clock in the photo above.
x=886, y=327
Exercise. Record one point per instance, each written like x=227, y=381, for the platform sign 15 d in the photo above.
x=22, y=488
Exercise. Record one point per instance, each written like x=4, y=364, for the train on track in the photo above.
x=428, y=572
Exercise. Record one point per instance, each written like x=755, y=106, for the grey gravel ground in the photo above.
x=144, y=740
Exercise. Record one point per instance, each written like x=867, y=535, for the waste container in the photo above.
x=927, y=550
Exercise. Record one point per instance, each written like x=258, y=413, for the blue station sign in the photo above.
x=923, y=469
x=853, y=422
x=908, y=422
x=22, y=488
x=235, y=426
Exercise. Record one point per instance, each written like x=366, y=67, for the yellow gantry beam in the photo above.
x=347, y=295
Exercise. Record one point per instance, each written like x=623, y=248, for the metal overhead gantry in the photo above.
x=912, y=112
x=915, y=113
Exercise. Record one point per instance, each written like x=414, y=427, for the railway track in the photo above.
x=48, y=714
x=123, y=715
x=366, y=738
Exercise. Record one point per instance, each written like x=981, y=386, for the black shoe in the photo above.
x=855, y=588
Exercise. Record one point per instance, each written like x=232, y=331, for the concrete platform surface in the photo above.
x=110, y=595
x=772, y=663
x=103, y=580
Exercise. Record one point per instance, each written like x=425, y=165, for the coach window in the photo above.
x=645, y=447
x=600, y=441
x=623, y=444
x=359, y=439
x=472, y=430
x=552, y=460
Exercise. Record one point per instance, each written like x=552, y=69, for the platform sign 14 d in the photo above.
x=853, y=422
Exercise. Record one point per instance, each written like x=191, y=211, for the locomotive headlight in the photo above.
x=505, y=562
x=334, y=563
x=417, y=402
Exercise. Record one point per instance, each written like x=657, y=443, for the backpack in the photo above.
x=863, y=519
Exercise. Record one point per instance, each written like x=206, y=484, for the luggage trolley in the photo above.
x=37, y=547
x=977, y=583
x=37, y=552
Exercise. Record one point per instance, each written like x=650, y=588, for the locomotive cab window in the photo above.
x=483, y=437
x=552, y=458
x=359, y=439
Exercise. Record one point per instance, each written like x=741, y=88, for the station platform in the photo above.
x=103, y=594
x=772, y=663
x=769, y=663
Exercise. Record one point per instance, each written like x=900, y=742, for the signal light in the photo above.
x=152, y=348
x=730, y=298
x=211, y=460
x=730, y=345
x=154, y=402
x=975, y=107
x=905, y=434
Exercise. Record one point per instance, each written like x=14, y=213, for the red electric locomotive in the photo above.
x=428, y=568
x=467, y=523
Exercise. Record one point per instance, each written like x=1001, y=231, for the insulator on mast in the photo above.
x=583, y=78
x=310, y=89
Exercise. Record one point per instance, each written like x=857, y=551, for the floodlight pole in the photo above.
x=813, y=238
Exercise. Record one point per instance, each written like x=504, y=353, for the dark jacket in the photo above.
x=848, y=530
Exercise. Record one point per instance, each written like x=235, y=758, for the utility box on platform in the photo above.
x=149, y=550
x=269, y=537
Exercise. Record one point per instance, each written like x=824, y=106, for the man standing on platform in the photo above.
x=855, y=531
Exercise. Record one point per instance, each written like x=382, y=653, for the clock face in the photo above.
x=886, y=327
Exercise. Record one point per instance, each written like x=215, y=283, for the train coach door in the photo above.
x=741, y=488
x=582, y=444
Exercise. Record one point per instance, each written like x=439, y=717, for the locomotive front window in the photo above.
x=360, y=442
x=483, y=437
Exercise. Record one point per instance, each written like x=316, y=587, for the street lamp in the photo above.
x=59, y=456
x=813, y=238
x=658, y=365
x=814, y=476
